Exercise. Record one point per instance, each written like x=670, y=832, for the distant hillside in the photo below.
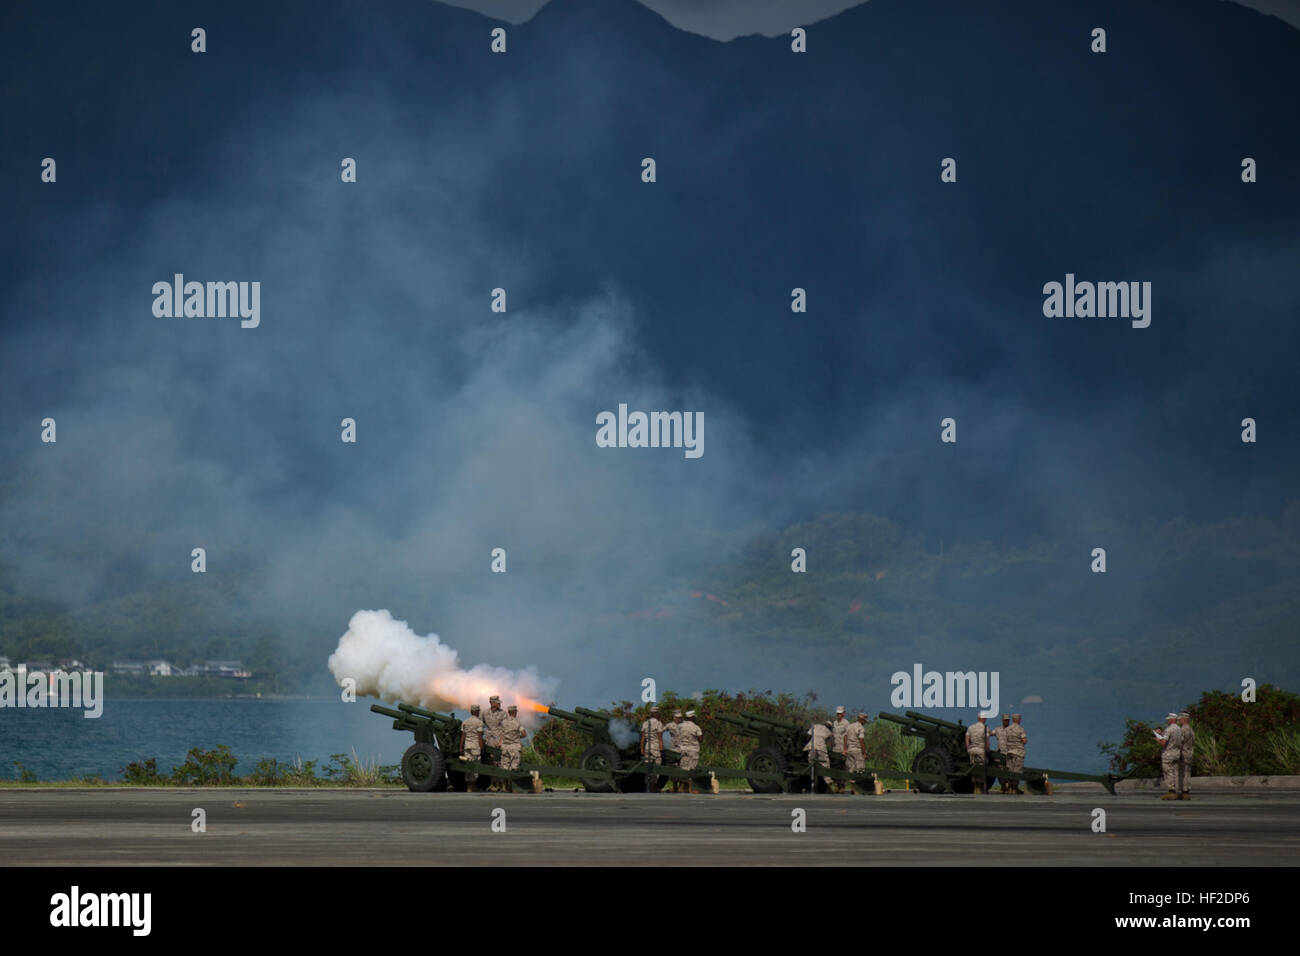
x=1174, y=608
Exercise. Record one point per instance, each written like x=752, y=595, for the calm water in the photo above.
x=61, y=744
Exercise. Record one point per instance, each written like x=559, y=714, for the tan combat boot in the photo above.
x=1185, y=795
x=1171, y=795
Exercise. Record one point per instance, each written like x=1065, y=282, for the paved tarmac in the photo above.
x=395, y=827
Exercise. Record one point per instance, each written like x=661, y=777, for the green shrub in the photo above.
x=206, y=768
x=1235, y=737
x=142, y=773
x=1284, y=745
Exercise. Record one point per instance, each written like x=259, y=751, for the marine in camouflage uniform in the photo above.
x=512, y=747
x=976, y=745
x=1170, y=755
x=672, y=728
x=816, y=747
x=1186, y=746
x=652, y=744
x=471, y=745
x=652, y=736
x=855, y=745
x=492, y=721
x=998, y=735
x=1014, y=740
x=838, y=729
x=687, y=742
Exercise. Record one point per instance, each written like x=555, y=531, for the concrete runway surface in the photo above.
x=394, y=827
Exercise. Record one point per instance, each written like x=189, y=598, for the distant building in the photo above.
x=160, y=668
x=231, y=669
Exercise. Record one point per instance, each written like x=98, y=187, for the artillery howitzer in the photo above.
x=433, y=762
x=607, y=766
x=780, y=764
x=943, y=764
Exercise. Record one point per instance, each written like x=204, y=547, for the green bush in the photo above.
x=1285, y=748
x=1233, y=737
x=143, y=773
x=206, y=768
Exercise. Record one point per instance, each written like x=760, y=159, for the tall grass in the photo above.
x=1284, y=747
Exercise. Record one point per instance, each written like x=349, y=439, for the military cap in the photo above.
x=677, y=713
x=473, y=708
x=690, y=713
x=1006, y=716
x=839, y=710
x=1185, y=714
x=1015, y=716
x=1171, y=716
x=512, y=707
x=494, y=697
x=862, y=716
x=654, y=708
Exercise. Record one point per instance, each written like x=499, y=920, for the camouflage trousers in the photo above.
x=854, y=762
x=820, y=756
x=473, y=755
x=1185, y=774
x=976, y=766
x=510, y=757
x=1169, y=766
x=690, y=759
x=1015, y=762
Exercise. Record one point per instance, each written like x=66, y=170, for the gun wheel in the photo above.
x=599, y=757
x=766, y=760
x=422, y=768
x=933, y=761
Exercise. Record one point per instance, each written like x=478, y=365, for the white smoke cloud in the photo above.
x=390, y=661
x=623, y=733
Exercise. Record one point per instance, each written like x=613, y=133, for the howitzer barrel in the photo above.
x=920, y=722
x=388, y=712
x=582, y=720
x=772, y=721
x=598, y=714
x=421, y=712
x=754, y=724
x=938, y=721
x=732, y=719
